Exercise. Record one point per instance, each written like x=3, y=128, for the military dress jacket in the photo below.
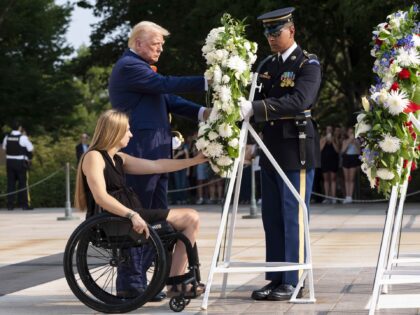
x=288, y=89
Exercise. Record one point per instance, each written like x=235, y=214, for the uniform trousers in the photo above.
x=16, y=172
x=283, y=220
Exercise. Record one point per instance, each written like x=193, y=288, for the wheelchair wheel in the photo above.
x=177, y=304
x=97, y=253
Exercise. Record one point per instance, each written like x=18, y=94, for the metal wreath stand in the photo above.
x=393, y=267
x=228, y=266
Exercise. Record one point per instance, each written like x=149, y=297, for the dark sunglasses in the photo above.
x=276, y=34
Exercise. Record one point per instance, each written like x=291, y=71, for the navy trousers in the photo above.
x=152, y=191
x=283, y=220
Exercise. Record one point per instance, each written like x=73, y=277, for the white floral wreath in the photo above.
x=389, y=139
x=229, y=56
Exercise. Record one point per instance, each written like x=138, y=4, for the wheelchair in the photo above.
x=101, y=248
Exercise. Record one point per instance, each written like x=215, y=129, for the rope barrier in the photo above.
x=197, y=186
x=32, y=185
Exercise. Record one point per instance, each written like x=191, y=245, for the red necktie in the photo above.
x=154, y=68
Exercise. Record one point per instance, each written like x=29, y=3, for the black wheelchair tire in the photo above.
x=103, y=301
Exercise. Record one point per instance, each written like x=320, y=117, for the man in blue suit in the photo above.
x=136, y=88
x=290, y=80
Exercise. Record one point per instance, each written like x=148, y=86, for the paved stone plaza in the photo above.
x=345, y=245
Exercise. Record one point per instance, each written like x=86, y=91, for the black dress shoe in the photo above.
x=261, y=294
x=158, y=297
x=28, y=208
x=283, y=292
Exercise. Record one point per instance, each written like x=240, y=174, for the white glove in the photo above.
x=245, y=109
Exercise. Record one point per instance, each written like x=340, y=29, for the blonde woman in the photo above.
x=101, y=184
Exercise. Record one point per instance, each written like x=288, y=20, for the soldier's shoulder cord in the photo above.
x=309, y=58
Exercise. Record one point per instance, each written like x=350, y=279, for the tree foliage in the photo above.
x=338, y=31
x=35, y=84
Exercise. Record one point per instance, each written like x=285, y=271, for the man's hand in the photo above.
x=245, y=109
x=206, y=113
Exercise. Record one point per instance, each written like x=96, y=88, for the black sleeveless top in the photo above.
x=115, y=186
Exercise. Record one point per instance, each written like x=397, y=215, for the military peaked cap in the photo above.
x=274, y=20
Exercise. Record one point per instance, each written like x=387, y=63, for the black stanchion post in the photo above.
x=253, y=209
x=67, y=208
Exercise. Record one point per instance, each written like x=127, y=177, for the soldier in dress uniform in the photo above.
x=290, y=80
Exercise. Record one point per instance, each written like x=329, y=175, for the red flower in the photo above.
x=404, y=74
x=413, y=166
x=378, y=41
x=405, y=163
x=409, y=178
x=395, y=86
x=412, y=107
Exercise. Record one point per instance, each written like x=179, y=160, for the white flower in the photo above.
x=225, y=93
x=360, y=117
x=368, y=171
x=201, y=144
x=225, y=79
x=365, y=104
x=212, y=135
x=208, y=74
x=214, y=115
x=217, y=75
x=384, y=173
x=390, y=144
x=380, y=97
x=202, y=129
x=416, y=40
x=396, y=102
x=234, y=143
x=237, y=63
x=228, y=107
x=225, y=130
x=408, y=57
x=224, y=161
x=213, y=149
x=362, y=128
x=215, y=168
x=247, y=45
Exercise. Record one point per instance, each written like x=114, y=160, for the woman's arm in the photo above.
x=345, y=145
x=93, y=167
x=133, y=165
x=322, y=143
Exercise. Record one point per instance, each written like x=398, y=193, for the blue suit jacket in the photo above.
x=147, y=97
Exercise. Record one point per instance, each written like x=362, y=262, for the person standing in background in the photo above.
x=329, y=163
x=19, y=150
x=351, y=163
x=82, y=146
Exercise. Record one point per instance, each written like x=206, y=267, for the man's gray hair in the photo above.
x=143, y=29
